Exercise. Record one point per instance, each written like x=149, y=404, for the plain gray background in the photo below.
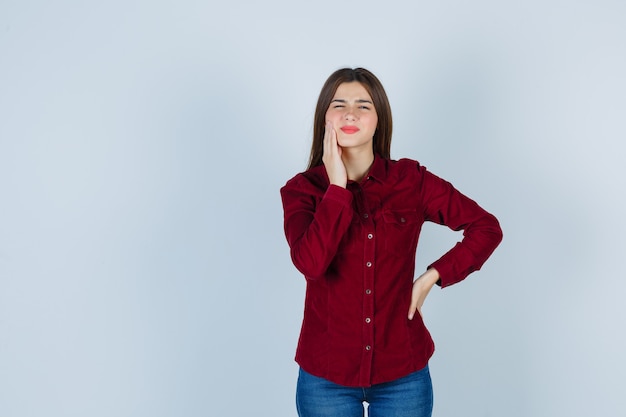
x=143, y=267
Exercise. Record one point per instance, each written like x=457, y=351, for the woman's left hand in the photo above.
x=421, y=288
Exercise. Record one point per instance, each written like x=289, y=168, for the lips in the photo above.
x=350, y=129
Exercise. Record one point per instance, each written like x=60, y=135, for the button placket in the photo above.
x=362, y=206
x=369, y=271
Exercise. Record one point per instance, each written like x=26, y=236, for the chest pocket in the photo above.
x=401, y=231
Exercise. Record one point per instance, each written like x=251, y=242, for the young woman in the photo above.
x=352, y=221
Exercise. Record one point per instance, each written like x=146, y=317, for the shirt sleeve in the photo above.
x=445, y=205
x=313, y=227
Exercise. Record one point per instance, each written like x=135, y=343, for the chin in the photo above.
x=352, y=143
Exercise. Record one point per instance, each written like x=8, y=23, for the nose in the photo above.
x=350, y=114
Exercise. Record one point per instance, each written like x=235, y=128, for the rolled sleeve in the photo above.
x=481, y=230
x=315, y=223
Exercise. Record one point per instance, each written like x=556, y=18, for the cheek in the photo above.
x=373, y=122
x=331, y=115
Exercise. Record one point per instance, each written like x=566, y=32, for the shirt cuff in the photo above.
x=446, y=275
x=338, y=194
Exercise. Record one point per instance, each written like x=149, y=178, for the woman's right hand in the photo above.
x=331, y=158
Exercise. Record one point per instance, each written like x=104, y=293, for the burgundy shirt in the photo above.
x=356, y=248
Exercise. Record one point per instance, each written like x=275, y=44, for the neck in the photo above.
x=357, y=163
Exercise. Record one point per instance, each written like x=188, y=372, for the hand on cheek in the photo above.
x=331, y=158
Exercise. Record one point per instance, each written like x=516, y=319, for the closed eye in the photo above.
x=362, y=104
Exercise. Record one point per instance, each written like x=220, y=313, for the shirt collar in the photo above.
x=378, y=171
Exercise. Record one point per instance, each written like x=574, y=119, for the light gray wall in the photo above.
x=143, y=269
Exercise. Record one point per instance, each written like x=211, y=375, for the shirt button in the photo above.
x=365, y=215
x=368, y=291
x=368, y=320
x=370, y=236
x=369, y=264
x=402, y=220
x=368, y=347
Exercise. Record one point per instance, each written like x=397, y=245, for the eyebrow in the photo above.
x=340, y=100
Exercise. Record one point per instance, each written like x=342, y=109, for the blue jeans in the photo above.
x=410, y=396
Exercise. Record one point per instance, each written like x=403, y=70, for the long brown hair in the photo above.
x=382, y=136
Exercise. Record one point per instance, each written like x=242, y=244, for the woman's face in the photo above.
x=353, y=116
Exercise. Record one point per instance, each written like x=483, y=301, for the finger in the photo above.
x=326, y=141
x=412, y=308
x=334, y=142
x=332, y=137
